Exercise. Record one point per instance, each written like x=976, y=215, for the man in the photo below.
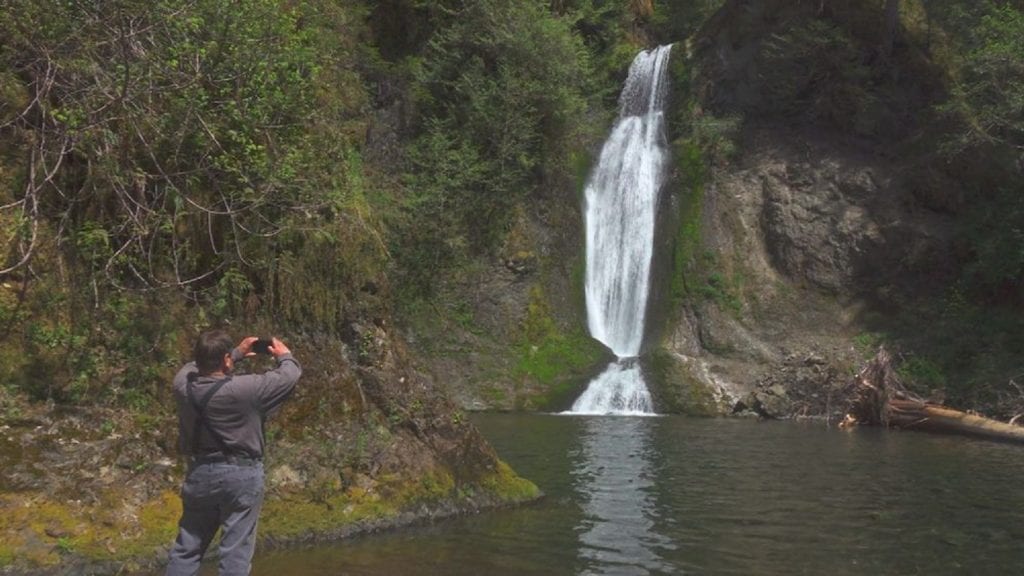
x=220, y=420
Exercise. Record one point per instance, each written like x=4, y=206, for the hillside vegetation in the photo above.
x=394, y=187
x=171, y=165
x=314, y=170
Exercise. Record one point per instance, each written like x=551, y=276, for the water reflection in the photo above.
x=615, y=480
x=718, y=497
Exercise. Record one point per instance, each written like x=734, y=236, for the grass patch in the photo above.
x=554, y=356
x=723, y=290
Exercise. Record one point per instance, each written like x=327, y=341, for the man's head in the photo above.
x=213, y=351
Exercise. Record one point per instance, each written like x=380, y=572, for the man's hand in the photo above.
x=277, y=348
x=245, y=346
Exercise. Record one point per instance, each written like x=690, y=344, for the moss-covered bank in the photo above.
x=362, y=446
x=40, y=533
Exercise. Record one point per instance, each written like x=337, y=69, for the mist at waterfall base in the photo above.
x=621, y=203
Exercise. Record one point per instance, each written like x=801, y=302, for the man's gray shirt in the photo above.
x=236, y=412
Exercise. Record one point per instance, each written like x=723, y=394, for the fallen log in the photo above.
x=879, y=398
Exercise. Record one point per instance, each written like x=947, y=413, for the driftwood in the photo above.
x=878, y=398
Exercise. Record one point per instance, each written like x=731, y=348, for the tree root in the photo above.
x=878, y=398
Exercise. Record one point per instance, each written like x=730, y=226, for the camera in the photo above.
x=262, y=346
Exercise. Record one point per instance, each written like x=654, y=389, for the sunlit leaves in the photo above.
x=503, y=90
x=991, y=93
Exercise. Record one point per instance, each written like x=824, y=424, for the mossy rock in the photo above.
x=678, y=387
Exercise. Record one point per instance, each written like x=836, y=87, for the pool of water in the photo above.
x=672, y=495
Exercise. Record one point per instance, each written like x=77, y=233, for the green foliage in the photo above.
x=721, y=289
x=967, y=337
x=204, y=131
x=702, y=141
x=994, y=229
x=958, y=344
x=989, y=96
x=815, y=71
x=65, y=545
x=71, y=349
x=676, y=21
x=685, y=254
x=868, y=342
x=547, y=354
x=431, y=233
x=716, y=137
x=986, y=110
x=504, y=86
x=231, y=290
x=604, y=27
x=402, y=27
x=922, y=374
x=180, y=153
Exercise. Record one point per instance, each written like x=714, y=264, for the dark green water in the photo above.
x=673, y=495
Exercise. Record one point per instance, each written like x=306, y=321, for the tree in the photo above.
x=169, y=140
x=167, y=153
x=503, y=88
x=890, y=26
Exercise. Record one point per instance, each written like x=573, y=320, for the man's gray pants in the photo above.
x=218, y=495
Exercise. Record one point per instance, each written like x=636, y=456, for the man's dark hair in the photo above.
x=210, y=349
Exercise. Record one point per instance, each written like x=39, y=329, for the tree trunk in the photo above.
x=933, y=418
x=879, y=398
x=890, y=26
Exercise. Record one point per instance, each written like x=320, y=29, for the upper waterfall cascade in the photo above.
x=621, y=203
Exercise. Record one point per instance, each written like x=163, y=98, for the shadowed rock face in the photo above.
x=839, y=219
x=818, y=232
x=817, y=224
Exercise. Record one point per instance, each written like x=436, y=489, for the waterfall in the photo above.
x=621, y=203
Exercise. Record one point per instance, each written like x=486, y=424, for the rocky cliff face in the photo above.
x=810, y=237
x=818, y=225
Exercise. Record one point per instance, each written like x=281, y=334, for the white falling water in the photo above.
x=619, y=390
x=621, y=202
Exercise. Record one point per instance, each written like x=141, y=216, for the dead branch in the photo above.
x=879, y=398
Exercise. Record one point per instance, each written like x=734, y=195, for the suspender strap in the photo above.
x=200, y=408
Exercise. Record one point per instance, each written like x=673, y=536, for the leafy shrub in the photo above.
x=677, y=21
x=174, y=153
x=994, y=231
x=504, y=86
x=989, y=97
x=986, y=106
x=814, y=72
